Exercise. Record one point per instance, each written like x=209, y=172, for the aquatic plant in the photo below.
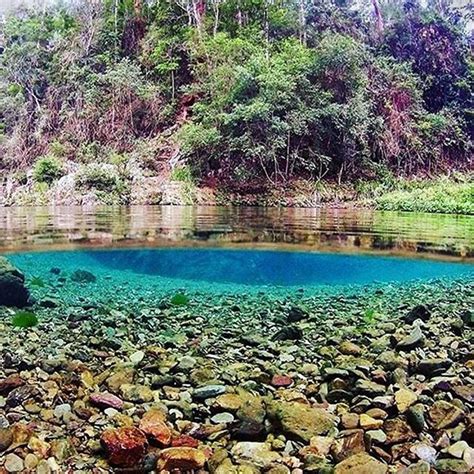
x=37, y=281
x=179, y=299
x=24, y=319
x=369, y=316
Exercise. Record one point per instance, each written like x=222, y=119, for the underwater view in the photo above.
x=236, y=237
x=257, y=341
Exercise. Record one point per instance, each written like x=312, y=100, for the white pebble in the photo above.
x=137, y=357
x=13, y=463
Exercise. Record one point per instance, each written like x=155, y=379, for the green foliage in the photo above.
x=101, y=176
x=47, y=169
x=182, y=174
x=179, y=299
x=244, y=91
x=24, y=319
x=198, y=140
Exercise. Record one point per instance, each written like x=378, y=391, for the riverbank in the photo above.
x=109, y=186
x=119, y=372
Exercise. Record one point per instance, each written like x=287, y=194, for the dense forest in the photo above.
x=238, y=94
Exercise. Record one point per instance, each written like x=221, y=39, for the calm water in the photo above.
x=323, y=229
x=201, y=267
x=248, y=247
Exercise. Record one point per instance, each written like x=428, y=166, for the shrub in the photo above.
x=100, y=176
x=47, y=169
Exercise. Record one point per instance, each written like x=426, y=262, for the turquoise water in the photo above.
x=184, y=267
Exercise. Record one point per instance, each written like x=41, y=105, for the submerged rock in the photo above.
x=83, y=276
x=181, y=459
x=14, y=463
x=404, y=399
x=449, y=466
x=6, y=438
x=413, y=340
x=418, y=312
x=360, y=464
x=444, y=415
x=301, y=421
x=431, y=367
x=291, y=333
x=136, y=393
x=187, y=382
x=258, y=454
x=296, y=314
x=106, y=400
x=124, y=447
x=348, y=443
x=398, y=431
x=416, y=417
x=13, y=291
x=209, y=391
x=154, y=426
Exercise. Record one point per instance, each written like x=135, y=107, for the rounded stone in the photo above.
x=13, y=463
x=223, y=418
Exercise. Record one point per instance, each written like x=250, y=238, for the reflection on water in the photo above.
x=324, y=229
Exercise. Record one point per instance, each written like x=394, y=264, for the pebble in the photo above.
x=137, y=357
x=223, y=418
x=413, y=340
x=369, y=423
x=404, y=398
x=457, y=449
x=13, y=463
x=6, y=438
x=31, y=461
x=377, y=435
x=62, y=411
x=208, y=391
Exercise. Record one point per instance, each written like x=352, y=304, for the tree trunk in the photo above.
x=378, y=17
x=302, y=22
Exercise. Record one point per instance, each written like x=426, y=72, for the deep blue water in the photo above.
x=247, y=267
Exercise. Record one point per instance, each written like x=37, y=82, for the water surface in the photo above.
x=327, y=229
x=237, y=249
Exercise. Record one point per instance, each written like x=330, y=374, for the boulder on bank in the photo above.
x=13, y=291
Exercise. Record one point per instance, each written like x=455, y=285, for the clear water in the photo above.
x=204, y=248
x=199, y=268
x=243, y=272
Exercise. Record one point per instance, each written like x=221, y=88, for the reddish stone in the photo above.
x=124, y=446
x=153, y=425
x=185, y=440
x=106, y=400
x=348, y=443
x=281, y=381
x=182, y=459
x=10, y=383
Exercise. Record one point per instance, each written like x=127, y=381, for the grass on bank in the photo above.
x=448, y=195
